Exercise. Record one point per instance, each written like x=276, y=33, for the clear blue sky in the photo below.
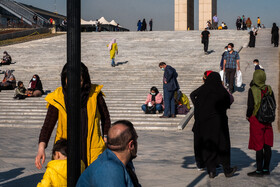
x=128, y=12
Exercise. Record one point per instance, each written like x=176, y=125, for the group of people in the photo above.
x=142, y=26
x=35, y=88
x=246, y=24
x=155, y=102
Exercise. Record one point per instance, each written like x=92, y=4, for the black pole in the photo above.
x=73, y=100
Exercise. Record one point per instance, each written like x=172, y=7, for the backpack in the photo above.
x=266, y=112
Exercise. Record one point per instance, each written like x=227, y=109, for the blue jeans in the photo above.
x=158, y=107
x=113, y=62
x=169, y=102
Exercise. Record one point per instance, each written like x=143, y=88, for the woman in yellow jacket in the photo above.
x=93, y=110
x=113, y=48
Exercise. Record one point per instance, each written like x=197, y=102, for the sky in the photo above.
x=128, y=12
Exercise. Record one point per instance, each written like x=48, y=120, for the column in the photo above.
x=184, y=15
x=207, y=9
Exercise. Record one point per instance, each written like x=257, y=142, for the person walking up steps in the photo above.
x=113, y=48
x=205, y=39
x=261, y=133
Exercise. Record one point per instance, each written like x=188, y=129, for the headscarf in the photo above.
x=111, y=43
x=35, y=85
x=259, y=78
x=9, y=76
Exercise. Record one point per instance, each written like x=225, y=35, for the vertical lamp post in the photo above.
x=73, y=100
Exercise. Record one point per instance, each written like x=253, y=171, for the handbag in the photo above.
x=182, y=109
x=150, y=109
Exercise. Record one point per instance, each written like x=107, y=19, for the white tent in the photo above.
x=83, y=22
x=103, y=21
x=113, y=22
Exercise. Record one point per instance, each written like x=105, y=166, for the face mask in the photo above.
x=153, y=93
x=255, y=64
x=229, y=49
x=226, y=50
x=162, y=69
x=34, y=79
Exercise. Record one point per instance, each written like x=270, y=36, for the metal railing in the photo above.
x=22, y=12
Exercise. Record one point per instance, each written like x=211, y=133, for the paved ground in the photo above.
x=165, y=157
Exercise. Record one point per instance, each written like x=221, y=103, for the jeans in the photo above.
x=230, y=73
x=158, y=107
x=169, y=102
x=113, y=62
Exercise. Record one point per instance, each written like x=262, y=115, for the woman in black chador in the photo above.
x=211, y=133
x=252, y=41
x=275, y=35
x=144, y=25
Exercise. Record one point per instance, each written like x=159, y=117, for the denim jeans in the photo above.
x=169, y=102
x=113, y=62
x=158, y=107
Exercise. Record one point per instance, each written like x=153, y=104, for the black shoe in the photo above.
x=164, y=117
x=255, y=174
x=212, y=175
x=266, y=172
x=231, y=172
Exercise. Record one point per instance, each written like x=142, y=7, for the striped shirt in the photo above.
x=231, y=59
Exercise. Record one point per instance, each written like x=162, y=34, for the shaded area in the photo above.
x=13, y=173
x=31, y=180
x=121, y=63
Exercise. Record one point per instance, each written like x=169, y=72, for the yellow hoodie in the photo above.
x=56, y=174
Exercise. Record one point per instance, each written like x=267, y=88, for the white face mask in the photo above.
x=255, y=64
x=34, y=79
x=226, y=50
x=229, y=49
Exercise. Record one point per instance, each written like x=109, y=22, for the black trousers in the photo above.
x=205, y=42
x=263, y=158
x=230, y=73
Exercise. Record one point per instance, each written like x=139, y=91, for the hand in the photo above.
x=105, y=139
x=40, y=155
x=165, y=82
x=153, y=103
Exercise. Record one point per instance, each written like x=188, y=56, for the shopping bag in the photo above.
x=222, y=74
x=238, y=78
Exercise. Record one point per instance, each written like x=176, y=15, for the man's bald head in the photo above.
x=120, y=134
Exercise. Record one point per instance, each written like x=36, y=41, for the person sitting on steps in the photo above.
x=154, y=100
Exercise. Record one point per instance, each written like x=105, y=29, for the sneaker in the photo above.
x=255, y=174
x=231, y=172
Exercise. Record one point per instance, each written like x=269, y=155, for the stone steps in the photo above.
x=125, y=86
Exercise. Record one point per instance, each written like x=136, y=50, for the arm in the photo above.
x=250, y=104
x=46, y=181
x=105, y=116
x=159, y=99
x=238, y=64
x=148, y=99
x=46, y=132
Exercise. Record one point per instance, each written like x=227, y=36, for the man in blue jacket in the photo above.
x=114, y=166
x=170, y=85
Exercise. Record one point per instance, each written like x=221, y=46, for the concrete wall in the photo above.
x=23, y=33
x=207, y=9
x=184, y=15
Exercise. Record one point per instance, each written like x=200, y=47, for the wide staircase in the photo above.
x=23, y=12
x=126, y=86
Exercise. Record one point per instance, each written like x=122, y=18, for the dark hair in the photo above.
x=162, y=64
x=120, y=142
x=60, y=146
x=256, y=60
x=231, y=44
x=19, y=83
x=5, y=52
x=226, y=47
x=84, y=73
x=155, y=89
